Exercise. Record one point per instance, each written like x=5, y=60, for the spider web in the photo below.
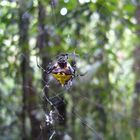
x=52, y=114
x=51, y=117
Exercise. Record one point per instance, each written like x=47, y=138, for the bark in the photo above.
x=23, y=33
x=136, y=66
x=43, y=44
x=73, y=123
x=28, y=91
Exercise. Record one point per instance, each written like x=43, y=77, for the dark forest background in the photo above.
x=104, y=104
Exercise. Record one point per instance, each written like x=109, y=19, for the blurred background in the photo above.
x=104, y=104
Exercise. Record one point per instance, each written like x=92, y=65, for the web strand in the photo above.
x=78, y=116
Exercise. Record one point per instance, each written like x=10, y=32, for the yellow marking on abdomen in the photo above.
x=62, y=78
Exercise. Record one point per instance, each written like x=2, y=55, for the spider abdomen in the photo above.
x=62, y=77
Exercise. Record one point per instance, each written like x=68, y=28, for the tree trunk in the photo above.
x=136, y=68
x=43, y=44
x=28, y=91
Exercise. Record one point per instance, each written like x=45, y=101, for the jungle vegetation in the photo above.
x=104, y=104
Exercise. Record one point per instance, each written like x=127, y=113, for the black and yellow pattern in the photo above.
x=63, y=78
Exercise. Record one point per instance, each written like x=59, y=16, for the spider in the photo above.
x=62, y=70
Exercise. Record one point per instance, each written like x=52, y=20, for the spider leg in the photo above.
x=49, y=69
x=79, y=75
x=52, y=135
x=42, y=68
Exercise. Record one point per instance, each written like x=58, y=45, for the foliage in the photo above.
x=102, y=34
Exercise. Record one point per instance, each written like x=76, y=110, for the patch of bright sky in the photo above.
x=7, y=42
x=133, y=20
x=7, y=3
x=4, y=3
x=94, y=17
x=1, y=31
x=32, y=42
x=66, y=1
x=84, y=1
x=63, y=11
x=15, y=38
